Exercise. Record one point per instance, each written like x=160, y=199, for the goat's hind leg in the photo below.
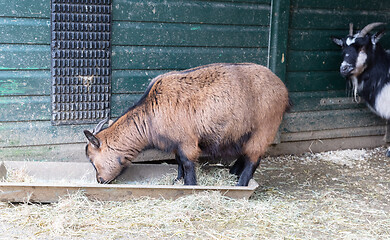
x=238, y=166
x=248, y=171
x=388, y=152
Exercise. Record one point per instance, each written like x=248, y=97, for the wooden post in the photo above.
x=278, y=38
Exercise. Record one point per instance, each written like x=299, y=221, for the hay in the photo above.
x=18, y=175
x=206, y=176
x=288, y=205
x=201, y=216
x=348, y=157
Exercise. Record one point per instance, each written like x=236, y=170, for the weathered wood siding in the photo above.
x=153, y=37
x=25, y=84
x=148, y=38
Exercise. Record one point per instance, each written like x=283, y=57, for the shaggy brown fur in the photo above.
x=220, y=109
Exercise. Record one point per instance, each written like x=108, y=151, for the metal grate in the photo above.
x=81, y=61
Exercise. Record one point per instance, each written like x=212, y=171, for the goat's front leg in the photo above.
x=180, y=171
x=188, y=170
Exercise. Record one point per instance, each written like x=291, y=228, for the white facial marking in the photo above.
x=344, y=63
x=360, y=63
x=362, y=57
x=350, y=41
x=382, y=102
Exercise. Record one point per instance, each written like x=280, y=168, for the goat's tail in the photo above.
x=289, y=105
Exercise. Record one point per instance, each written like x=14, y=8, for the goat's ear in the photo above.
x=338, y=41
x=92, y=139
x=377, y=36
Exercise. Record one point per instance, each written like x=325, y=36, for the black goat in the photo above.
x=367, y=65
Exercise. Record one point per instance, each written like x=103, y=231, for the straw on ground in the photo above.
x=301, y=197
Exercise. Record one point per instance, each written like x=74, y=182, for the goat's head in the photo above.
x=107, y=162
x=358, y=49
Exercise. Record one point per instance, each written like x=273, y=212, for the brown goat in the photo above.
x=219, y=109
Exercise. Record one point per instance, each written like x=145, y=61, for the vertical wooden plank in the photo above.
x=277, y=49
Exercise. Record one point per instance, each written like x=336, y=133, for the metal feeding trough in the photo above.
x=54, y=180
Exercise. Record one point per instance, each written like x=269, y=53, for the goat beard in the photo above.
x=354, y=82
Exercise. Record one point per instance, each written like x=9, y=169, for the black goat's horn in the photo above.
x=350, y=29
x=368, y=28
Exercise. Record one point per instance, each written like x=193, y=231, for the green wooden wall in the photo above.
x=153, y=37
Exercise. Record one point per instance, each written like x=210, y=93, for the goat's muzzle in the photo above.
x=346, y=69
x=102, y=180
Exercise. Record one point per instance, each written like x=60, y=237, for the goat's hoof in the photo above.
x=176, y=180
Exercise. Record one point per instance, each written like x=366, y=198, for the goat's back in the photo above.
x=216, y=104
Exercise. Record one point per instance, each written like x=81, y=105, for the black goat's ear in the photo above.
x=92, y=139
x=338, y=41
x=377, y=36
